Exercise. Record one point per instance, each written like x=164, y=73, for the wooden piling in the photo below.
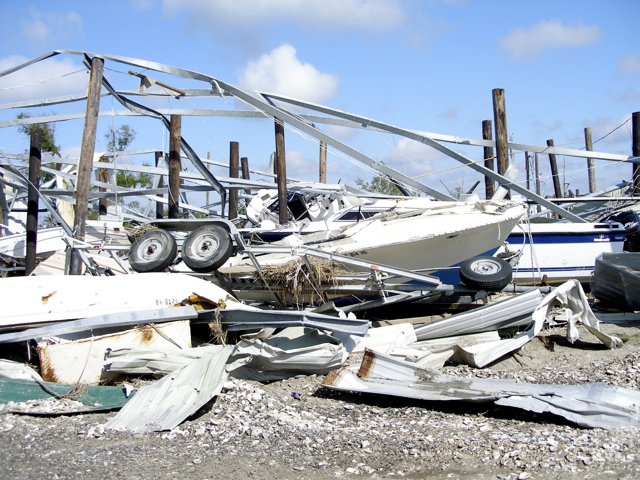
x=489, y=185
x=591, y=169
x=85, y=163
x=635, y=151
x=234, y=172
x=323, y=162
x=175, y=165
x=246, y=175
x=500, y=120
x=281, y=171
x=554, y=172
x=35, y=161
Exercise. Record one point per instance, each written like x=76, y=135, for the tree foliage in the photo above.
x=379, y=184
x=48, y=134
x=117, y=141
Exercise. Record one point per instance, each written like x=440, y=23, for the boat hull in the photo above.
x=422, y=240
x=553, y=253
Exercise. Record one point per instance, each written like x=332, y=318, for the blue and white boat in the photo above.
x=553, y=253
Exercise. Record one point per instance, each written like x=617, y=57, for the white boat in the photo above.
x=49, y=241
x=553, y=253
x=425, y=239
x=544, y=252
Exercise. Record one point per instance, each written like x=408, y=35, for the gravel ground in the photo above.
x=262, y=431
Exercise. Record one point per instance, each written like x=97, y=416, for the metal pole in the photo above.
x=635, y=174
x=590, y=164
x=160, y=205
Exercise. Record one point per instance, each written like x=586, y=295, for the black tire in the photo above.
x=207, y=248
x=486, y=273
x=153, y=251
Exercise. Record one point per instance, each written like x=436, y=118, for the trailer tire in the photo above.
x=486, y=273
x=207, y=248
x=153, y=251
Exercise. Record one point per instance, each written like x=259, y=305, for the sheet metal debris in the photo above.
x=81, y=361
x=591, y=406
x=247, y=320
x=293, y=351
x=164, y=404
x=510, y=312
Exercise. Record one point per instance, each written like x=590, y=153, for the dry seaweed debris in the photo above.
x=304, y=280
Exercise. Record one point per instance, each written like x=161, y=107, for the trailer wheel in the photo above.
x=207, y=248
x=153, y=251
x=486, y=273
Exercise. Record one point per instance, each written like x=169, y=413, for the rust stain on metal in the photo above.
x=146, y=335
x=46, y=298
x=367, y=364
x=332, y=377
x=47, y=372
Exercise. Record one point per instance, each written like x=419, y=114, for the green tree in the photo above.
x=379, y=184
x=48, y=134
x=48, y=144
x=117, y=141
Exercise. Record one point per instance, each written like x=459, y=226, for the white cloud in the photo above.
x=526, y=44
x=143, y=4
x=376, y=15
x=280, y=71
x=629, y=63
x=49, y=28
x=44, y=79
x=413, y=158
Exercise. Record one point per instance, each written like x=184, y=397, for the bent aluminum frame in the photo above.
x=266, y=103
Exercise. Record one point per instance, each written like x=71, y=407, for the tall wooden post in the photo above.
x=635, y=151
x=244, y=165
x=554, y=172
x=590, y=164
x=234, y=172
x=85, y=163
x=489, y=185
x=35, y=160
x=500, y=120
x=281, y=171
x=160, y=205
x=175, y=165
x=323, y=161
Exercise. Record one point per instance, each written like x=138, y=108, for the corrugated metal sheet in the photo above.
x=164, y=404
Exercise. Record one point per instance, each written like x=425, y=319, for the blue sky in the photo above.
x=425, y=65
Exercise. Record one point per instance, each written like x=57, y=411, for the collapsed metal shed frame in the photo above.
x=268, y=105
